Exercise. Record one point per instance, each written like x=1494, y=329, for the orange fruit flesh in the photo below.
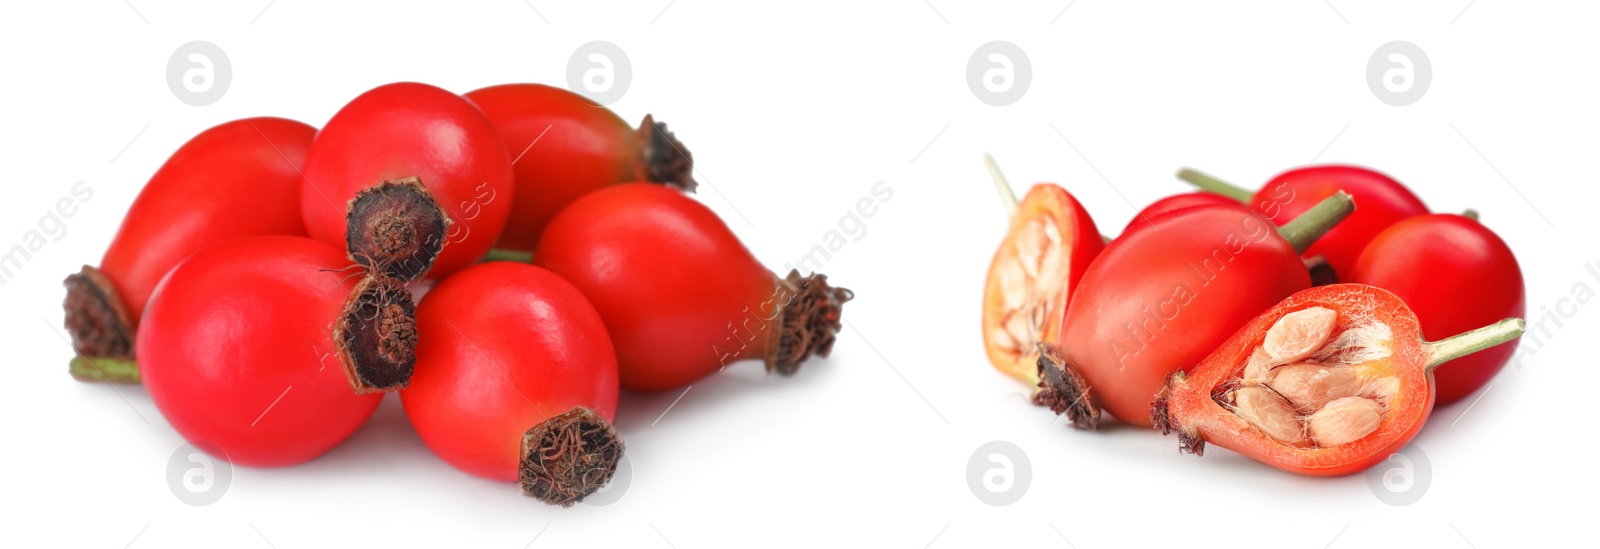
x=1028, y=283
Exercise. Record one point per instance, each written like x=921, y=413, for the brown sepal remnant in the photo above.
x=1159, y=417
x=568, y=457
x=96, y=317
x=1189, y=440
x=665, y=160
x=376, y=336
x=809, y=320
x=395, y=228
x=1064, y=391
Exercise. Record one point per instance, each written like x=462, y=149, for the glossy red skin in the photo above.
x=237, y=351
x=1175, y=203
x=1457, y=275
x=1144, y=270
x=1380, y=202
x=501, y=347
x=237, y=179
x=1193, y=409
x=563, y=145
x=405, y=130
x=676, y=288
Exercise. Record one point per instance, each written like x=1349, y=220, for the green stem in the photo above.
x=1470, y=214
x=1461, y=345
x=498, y=254
x=1303, y=231
x=1008, y=197
x=1208, y=183
x=104, y=369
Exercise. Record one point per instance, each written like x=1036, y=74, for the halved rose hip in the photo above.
x=1044, y=254
x=1353, y=383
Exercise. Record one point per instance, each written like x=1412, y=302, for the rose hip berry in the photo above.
x=680, y=295
x=1148, y=215
x=1456, y=274
x=516, y=381
x=240, y=347
x=410, y=131
x=238, y=179
x=563, y=146
x=1383, y=201
x=1159, y=299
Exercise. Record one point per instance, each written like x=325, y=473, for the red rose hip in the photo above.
x=1383, y=200
x=517, y=381
x=237, y=179
x=405, y=131
x=1456, y=274
x=250, y=346
x=680, y=295
x=563, y=146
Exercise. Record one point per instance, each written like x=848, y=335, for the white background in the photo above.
x=793, y=112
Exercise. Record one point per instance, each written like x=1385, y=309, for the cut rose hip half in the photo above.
x=1044, y=254
x=1329, y=382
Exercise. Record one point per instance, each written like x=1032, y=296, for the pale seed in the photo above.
x=1299, y=334
x=1270, y=413
x=1344, y=421
x=1311, y=386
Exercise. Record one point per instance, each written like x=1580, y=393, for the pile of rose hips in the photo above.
x=261, y=286
x=1300, y=325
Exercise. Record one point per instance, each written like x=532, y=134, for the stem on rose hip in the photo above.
x=499, y=254
x=1008, y=197
x=1303, y=231
x=1206, y=182
x=1464, y=344
x=105, y=369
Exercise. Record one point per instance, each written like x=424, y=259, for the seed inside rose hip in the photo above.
x=1258, y=371
x=1311, y=386
x=1344, y=421
x=1300, y=334
x=1270, y=413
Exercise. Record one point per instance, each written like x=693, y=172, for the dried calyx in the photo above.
x=1315, y=381
x=664, y=158
x=101, y=328
x=1065, y=392
x=568, y=457
x=395, y=229
x=376, y=336
x=809, y=317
